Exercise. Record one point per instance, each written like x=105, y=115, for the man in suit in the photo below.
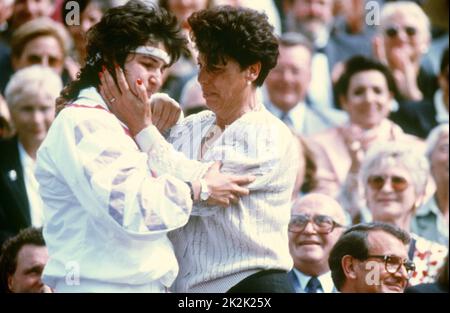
x=287, y=86
x=31, y=95
x=371, y=258
x=316, y=224
x=14, y=206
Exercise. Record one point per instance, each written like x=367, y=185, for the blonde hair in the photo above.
x=39, y=27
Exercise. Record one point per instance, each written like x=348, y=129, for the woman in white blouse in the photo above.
x=243, y=248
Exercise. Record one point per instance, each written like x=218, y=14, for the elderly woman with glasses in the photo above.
x=395, y=178
x=403, y=42
x=432, y=219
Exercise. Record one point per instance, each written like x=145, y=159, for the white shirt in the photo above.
x=220, y=247
x=295, y=118
x=321, y=89
x=326, y=281
x=107, y=216
x=442, y=115
x=32, y=187
x=305, y=120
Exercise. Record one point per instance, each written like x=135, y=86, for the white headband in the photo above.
x=154, y=52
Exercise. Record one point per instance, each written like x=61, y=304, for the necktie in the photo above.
x=286, y=119
x=313, y=285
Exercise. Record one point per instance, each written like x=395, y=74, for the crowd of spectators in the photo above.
x=363, y=87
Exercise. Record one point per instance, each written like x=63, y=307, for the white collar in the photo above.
x=296, y=114
x=441, y=109
x=322, y=38
x=325, y=280
x=91, y=97
x=431, y=206
x=25, y=159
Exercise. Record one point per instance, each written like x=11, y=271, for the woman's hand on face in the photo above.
x=226, y=189
x=130, y=105
x=165, y=111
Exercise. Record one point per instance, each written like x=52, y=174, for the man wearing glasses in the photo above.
x=371, y=258
x=316, y=224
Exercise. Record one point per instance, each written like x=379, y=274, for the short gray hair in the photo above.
x=31, y=81
x=394, y=154
x=433, y=138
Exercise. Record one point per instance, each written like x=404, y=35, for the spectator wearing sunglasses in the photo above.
x=432, y=219
x=395, y=179
x=317, y=222
x=371, y=258
x=403, y=41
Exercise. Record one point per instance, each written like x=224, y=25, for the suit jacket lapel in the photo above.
x=13, y=176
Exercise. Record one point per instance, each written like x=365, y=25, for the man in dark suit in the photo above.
x=14, y=206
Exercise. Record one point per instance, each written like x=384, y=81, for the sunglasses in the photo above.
x=398, y=183
x=392, y=31
x=322, y=224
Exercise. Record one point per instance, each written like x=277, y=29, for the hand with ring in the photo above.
x=130, y=105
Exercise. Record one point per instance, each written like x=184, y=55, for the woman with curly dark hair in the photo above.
x=243, y=248
x=107, y=207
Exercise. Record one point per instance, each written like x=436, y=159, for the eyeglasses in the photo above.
x=398, y=183
x=393, y=263
x=392, y=31
x=322, y=224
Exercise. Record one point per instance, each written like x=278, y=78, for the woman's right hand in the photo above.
x=130, y=105
x=226, y=189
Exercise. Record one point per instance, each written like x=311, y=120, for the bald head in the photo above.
x=320, y=204
x=308, y=244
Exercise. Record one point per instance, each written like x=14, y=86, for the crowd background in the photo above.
x=358, y=82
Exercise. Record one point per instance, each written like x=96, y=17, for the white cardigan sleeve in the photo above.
x=88, y=150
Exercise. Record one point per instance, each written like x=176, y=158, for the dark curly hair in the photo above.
x=241, y=34
x=121, y=30
x=10, y=250
x=358, y=64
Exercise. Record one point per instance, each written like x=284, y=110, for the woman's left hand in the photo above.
x=165, y=111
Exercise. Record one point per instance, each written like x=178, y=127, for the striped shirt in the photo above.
x=220, y=247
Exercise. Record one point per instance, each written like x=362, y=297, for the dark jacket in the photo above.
x=14, y=205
